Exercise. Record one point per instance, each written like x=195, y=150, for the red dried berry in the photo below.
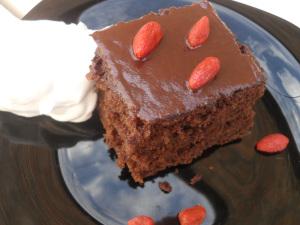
x=141, y=220
x=272, y=143
x=199, y=33
x=192, y=216
x=146, y=39
x=204, y=72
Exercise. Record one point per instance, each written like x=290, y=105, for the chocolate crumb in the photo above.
x=176, y=171
x=195, y=179
x=165, y=186
x=210, y=167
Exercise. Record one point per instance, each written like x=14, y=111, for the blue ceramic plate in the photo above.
x=239, y=185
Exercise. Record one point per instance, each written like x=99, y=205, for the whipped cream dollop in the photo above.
x=42, y=69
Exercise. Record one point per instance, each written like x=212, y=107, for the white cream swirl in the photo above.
x=42, y=69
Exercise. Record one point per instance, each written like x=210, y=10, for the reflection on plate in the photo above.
x=239, y=185
x=112, y=191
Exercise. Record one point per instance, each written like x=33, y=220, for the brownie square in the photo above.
x=152, y=119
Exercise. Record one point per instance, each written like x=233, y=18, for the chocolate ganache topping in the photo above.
x=156, y=87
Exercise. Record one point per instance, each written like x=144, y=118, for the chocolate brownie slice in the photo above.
x=152, y=119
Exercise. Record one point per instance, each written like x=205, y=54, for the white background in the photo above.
x=286, y=9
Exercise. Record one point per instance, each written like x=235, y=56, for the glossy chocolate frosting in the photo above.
x=157, y=87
